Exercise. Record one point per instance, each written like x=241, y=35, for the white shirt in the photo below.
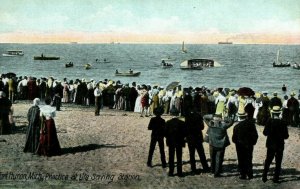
x=48, y=111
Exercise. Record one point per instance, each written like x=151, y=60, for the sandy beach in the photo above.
x=110, y=151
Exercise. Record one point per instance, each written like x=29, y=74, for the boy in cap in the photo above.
x=157, y=125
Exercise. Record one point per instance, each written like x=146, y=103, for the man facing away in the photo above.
x=245, y=137
x=157, y=125
x=194, y=124
x=276, y=131
x=175, y=133
x=218, y=140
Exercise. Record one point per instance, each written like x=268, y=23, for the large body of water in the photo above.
x=242, y=65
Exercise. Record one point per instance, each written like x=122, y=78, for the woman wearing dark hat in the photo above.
x=157, y=125
x=276, y=131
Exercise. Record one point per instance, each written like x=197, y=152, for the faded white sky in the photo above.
x=174, y=19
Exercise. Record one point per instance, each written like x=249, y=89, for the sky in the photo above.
x=150, y=21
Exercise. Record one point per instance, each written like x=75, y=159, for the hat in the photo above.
x=242, y=114
x=276, y=109
x=275, y=93
x=158, y=111
x=293, y=93
x=264, y=92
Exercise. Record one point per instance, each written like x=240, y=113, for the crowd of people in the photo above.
x=219, y=108
x=178, y=132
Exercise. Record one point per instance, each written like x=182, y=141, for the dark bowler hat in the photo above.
x=158, y=111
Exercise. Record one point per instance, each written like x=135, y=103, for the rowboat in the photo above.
x=13, y=53
x=128, y=74
x=42, y=57
x=68, y=65
x=165, y=64
x=87, y=66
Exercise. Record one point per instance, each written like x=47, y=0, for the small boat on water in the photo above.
x=165, y=64
x=196, y=64
x=130, y=73
x=87, y=66
x=68, y=65
x=43, y=57
x=281, y=65
x=296, y=66
x=13, y=53
x=278, y=63
x=102, y=61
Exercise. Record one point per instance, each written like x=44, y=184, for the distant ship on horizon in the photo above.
x=225, y=43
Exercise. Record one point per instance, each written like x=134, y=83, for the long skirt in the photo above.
x=49, y=144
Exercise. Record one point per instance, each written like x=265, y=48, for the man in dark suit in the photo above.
x=194, y=124
x=175, y=133
x=245, y=137
x=276, y=131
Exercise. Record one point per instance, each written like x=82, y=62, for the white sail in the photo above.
x=183, y=49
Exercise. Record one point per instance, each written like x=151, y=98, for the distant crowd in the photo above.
x=144, y=98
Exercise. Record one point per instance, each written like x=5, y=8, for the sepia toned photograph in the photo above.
x=143, y=94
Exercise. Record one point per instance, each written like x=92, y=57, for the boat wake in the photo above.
x=217, y=64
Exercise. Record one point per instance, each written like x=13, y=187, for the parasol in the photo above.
x=172, y=85
x=10, y=74
x=245, y=91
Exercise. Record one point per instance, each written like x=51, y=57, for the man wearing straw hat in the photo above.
x=276, y=131
x=245, y=137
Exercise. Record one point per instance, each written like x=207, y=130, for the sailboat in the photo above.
x=183, y=49
x=279, y=63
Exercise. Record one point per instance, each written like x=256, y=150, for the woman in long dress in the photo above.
x=33, y=130
x=138, y=106
x=49, y=144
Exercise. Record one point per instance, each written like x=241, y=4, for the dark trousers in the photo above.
x=178, y=150
x=97, y=105
x=153, y=142
x=217, y=157
x=245, y=154
x=199, y=147
x=271, y=153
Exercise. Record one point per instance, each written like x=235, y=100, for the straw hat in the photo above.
x=293, y=93
x=276, y=109
x=242, y=114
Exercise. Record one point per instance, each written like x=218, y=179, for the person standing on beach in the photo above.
x=245, y=137
x=5, y=109
x=33, y=130
x=218, y=140
x=194, y=124
x=49, y=144
x=175, y=133
x=293, y=106
x=144, y=101
x=157, y=125
x=97, y=94
x=276, y=131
